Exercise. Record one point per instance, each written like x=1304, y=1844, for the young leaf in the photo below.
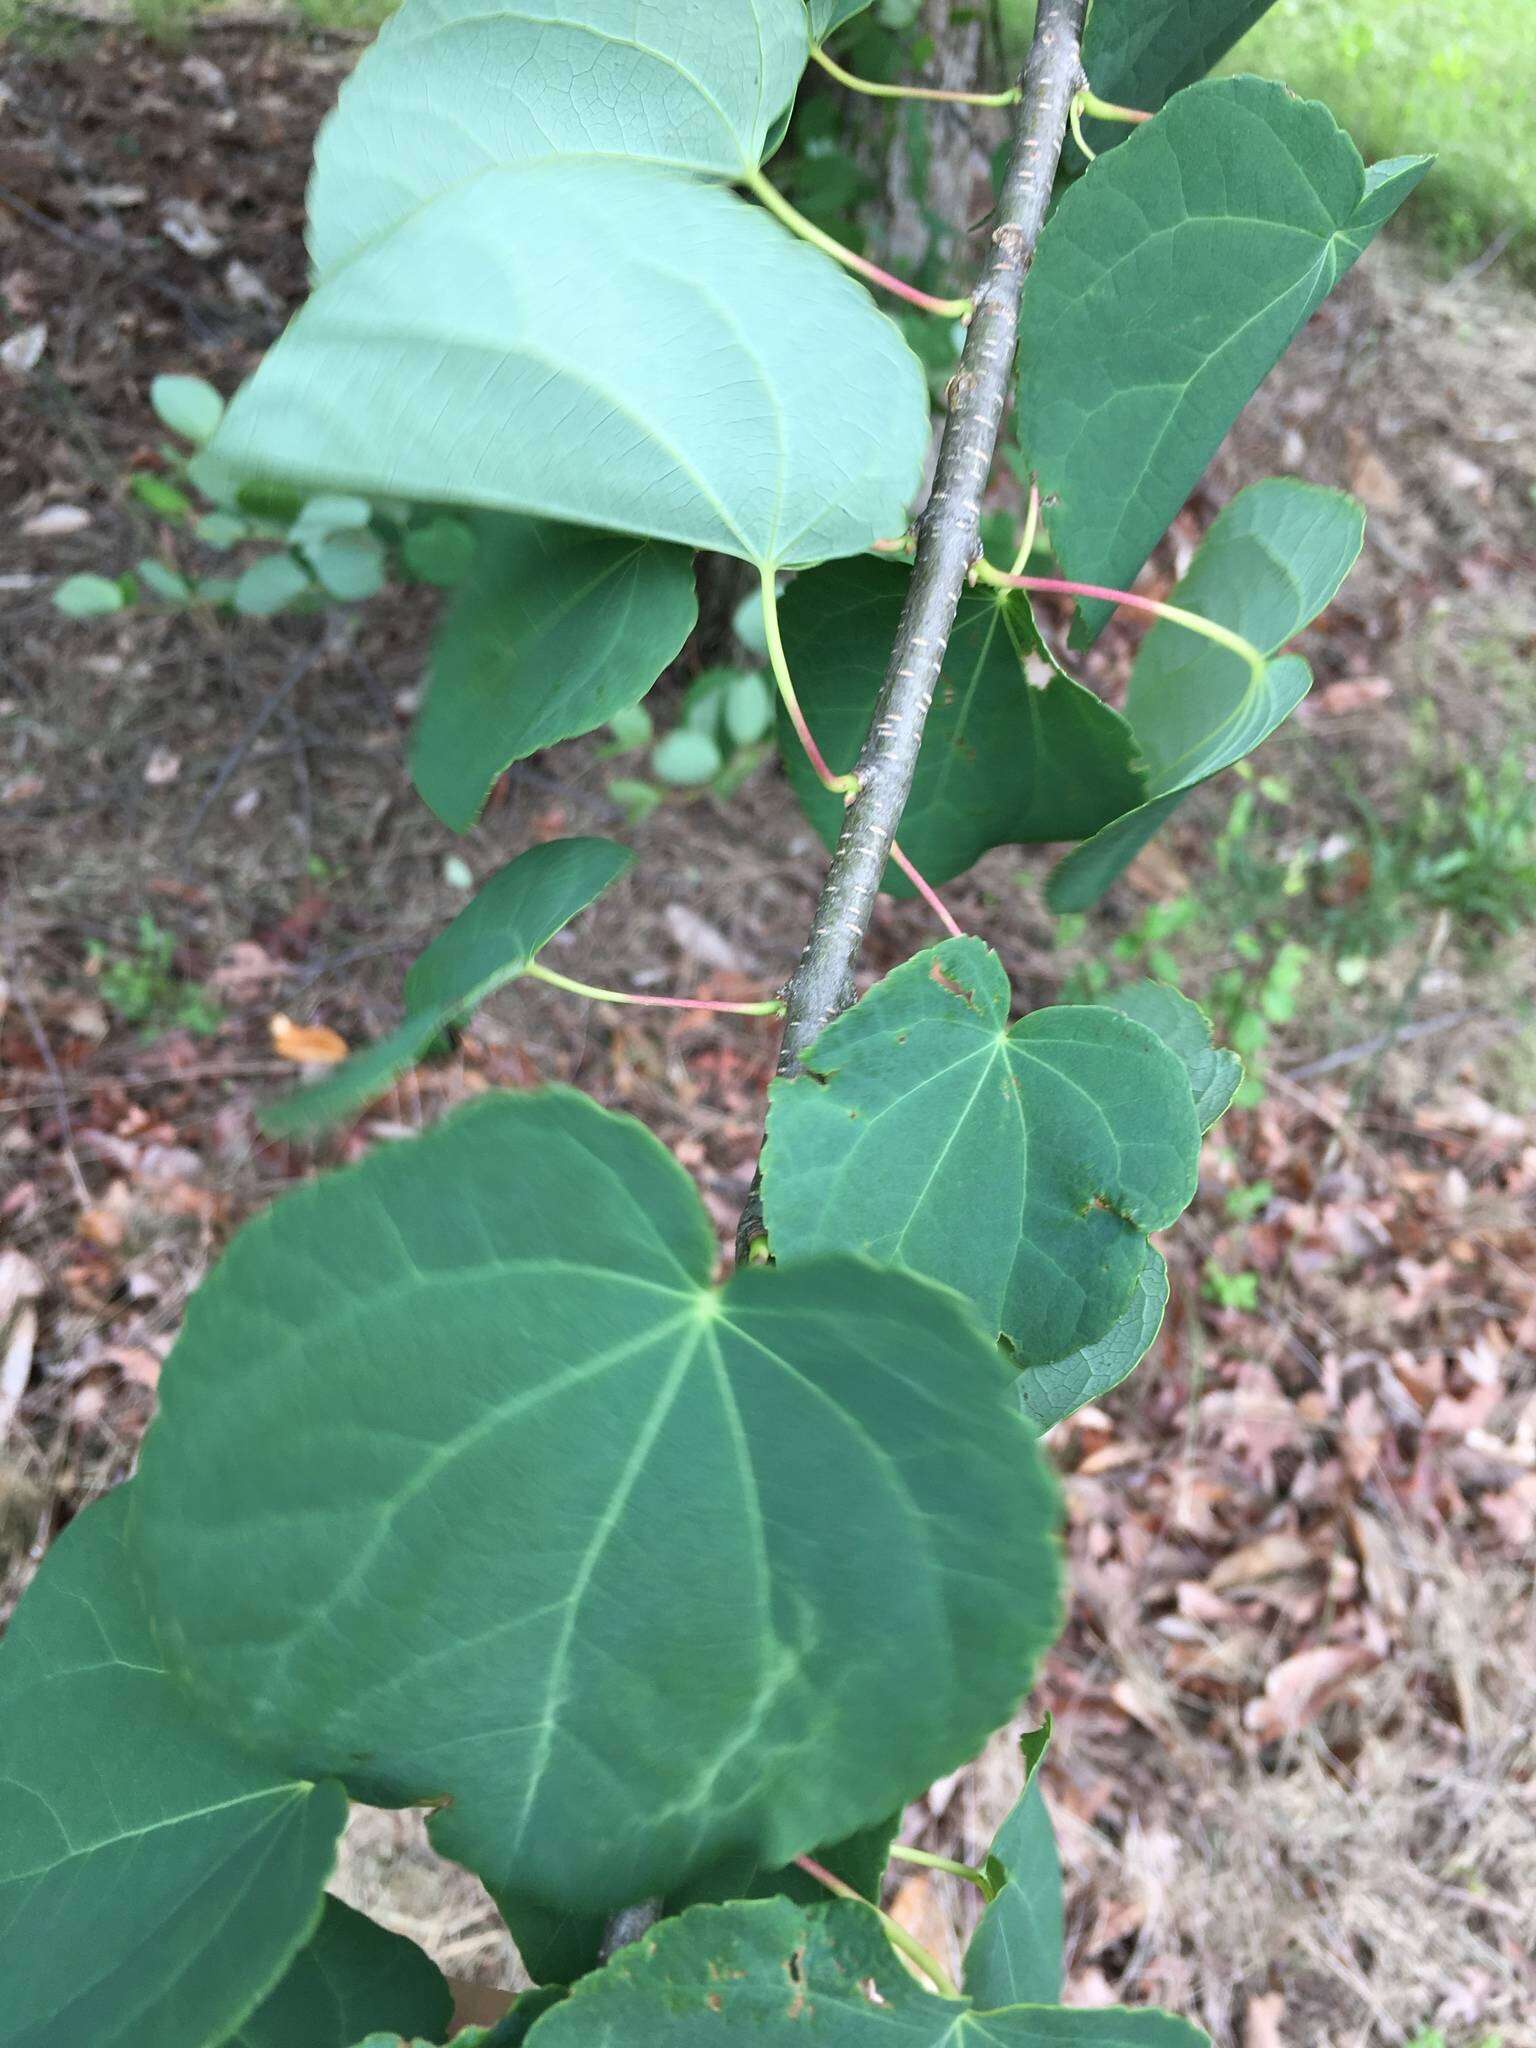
x=1048, y=1393
x=1273, y=559
x=686, y=758
x=453, y=89
x=270, y=585
x=556, y=630
x=442, y=552
x=491, y=942
x=89, y=597
x=563, y=1536
x=1002, y=760
x=1016, y=1952
x=605, y=343
x=155, y=1880
x=1022, y=1165
x=1138, y=52
x=351, y=1977
x=1223, y=223
x=188, y=406
x=800, y=1977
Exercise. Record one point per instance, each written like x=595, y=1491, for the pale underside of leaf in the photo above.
x=538, y=1550
x=606, y=344
x=454, y=88
x=1225, y=221
x=1021, y=1165
x=154, y=1880
x=1273, y=559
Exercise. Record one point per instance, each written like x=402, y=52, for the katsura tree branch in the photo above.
x=949, y=539
x=948, y=543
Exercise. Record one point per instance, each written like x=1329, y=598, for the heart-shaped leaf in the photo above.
x=1139, y=52
x=1003, y=760
x=352, y=1976
x=555, y=630
x=454, y=88
x=1224, y=222
x=791, y=1975
x=606, y=343
x=155, y=1880
x=1016, y=1952
x=1021, y=1164
x=560, y=1540
x=1273, y=559
x=488, y=944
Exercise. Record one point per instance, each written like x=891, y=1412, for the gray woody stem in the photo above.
x=948, y=542
x=948, y=538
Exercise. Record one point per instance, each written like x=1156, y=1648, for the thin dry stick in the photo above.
x=948, y=542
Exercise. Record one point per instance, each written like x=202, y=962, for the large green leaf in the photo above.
x=555, y=630
x=454, y=88
x=1138, y=52
x=1166, y=285
x=1274, y=557
x=1015, y=1955
x=352, y=1977
x=490, y=943
x=1002, y=759
x=1022, y=1165
x=788, y=1975
x=154, y=1879
x=523, y=1515
x=606, y=343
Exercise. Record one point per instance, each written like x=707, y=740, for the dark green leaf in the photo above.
x=1022, y=1165
x=1166, y=285
x=1274, y=557
x=154, y=1880
x=454, y=89
x=1214, y=1074
x=556, y=630
x=1048, y=1393
x=605, y=343
x=1137, y=53
x=352, y=1977
x=490, y=943
x=789, y=1975
x=1015, y=1954
x=442, y=552
x=1002, y=759
x=510, y=1519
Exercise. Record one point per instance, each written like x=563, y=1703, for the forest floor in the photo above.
x=1294, y=1774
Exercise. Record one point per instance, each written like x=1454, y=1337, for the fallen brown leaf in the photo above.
x=307, y=1044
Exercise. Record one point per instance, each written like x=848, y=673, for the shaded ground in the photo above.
x=1294, y=1768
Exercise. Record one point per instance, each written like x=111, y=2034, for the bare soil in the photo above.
x=1293, y=1773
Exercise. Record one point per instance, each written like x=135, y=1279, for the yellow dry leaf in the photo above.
x=308, y=1044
